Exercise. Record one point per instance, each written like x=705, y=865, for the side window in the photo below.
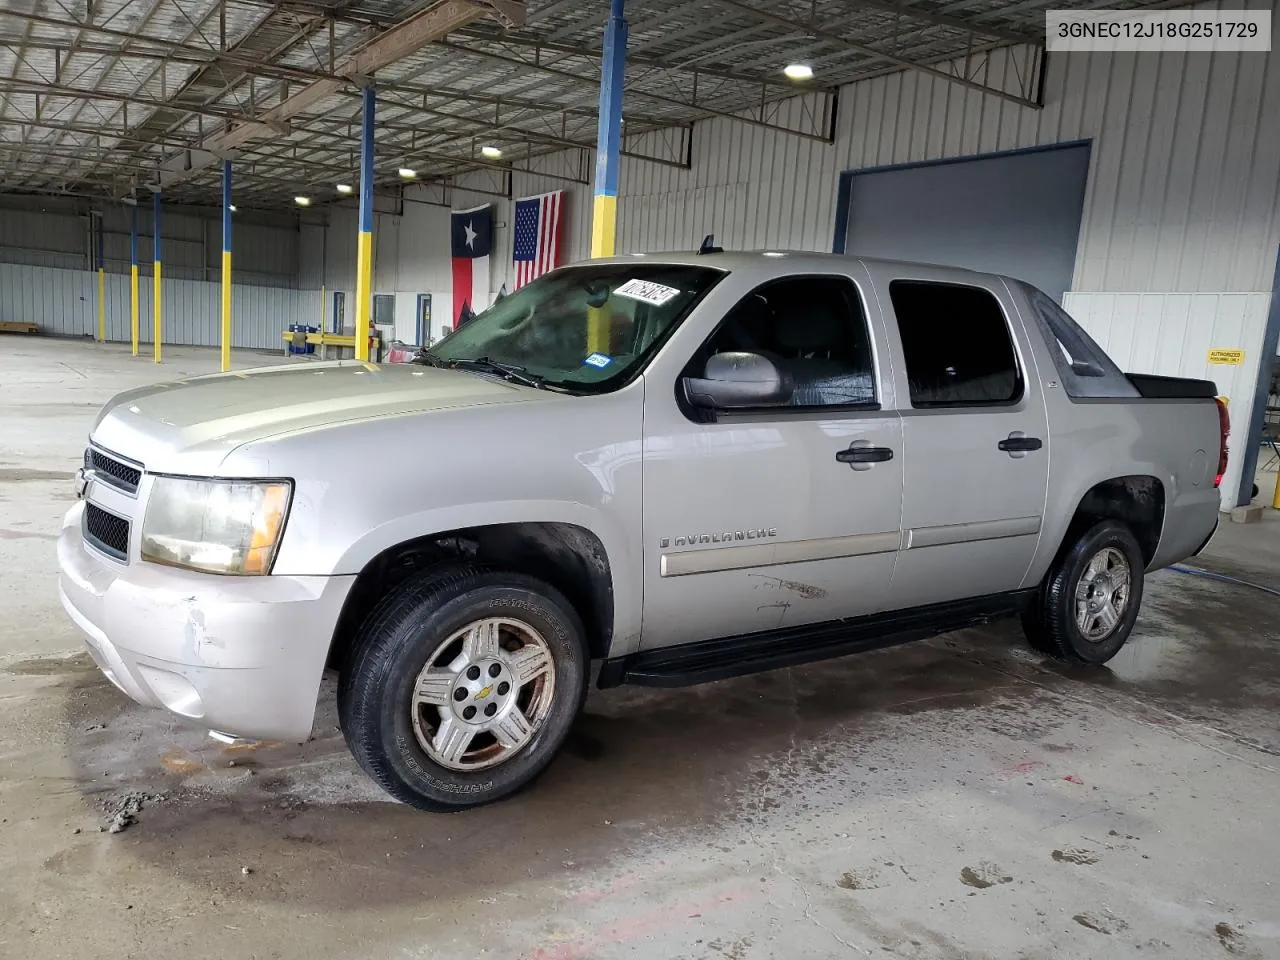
x=956, y=344
x=1084, y=369
x=814, y=328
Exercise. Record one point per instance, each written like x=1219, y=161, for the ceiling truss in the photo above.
x=114, y=98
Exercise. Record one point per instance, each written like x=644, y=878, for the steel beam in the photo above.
x=698, y=109
x=840, y=40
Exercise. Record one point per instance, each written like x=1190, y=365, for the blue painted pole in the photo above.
x=604, y=219
x=364, y=241
x=155, y=279
x=226, y=266
x=133, y=278
x=102, y=285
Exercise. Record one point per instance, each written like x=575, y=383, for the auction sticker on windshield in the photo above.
x=599, y=360
x=646, y=291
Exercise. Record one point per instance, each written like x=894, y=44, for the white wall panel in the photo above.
x=65, y=302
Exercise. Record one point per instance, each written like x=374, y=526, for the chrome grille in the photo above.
x=109, y=470
x=106, y=531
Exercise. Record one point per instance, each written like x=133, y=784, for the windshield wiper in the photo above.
x=508, y=371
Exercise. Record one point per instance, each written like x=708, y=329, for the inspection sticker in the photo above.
x=599, y=360
x=646, y=291
x=1232, y=357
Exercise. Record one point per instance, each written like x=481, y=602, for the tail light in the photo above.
x=1224, y=432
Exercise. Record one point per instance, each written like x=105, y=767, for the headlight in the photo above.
x=218, y=526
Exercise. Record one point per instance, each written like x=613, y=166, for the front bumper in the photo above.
x=240, y=655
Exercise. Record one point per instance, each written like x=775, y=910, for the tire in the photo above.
x=410, y=680
x=1089, y=601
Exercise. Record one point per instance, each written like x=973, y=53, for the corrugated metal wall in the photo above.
x=66, y=302
x=54, y=232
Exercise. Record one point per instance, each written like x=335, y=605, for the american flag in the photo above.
x=537, y=240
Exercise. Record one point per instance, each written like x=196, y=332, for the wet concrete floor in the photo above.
x=961, y=797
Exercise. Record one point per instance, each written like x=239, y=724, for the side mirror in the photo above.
x=738, y=379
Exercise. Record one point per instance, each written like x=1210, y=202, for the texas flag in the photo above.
x=471, y=243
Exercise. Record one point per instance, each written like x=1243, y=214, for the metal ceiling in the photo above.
x=97, y=96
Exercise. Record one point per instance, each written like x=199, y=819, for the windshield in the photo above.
x=588, y=327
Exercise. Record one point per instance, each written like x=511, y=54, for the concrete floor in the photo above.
x=955, y=798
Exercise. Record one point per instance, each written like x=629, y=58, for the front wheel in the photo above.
x=1090, y=598
x=463, y=687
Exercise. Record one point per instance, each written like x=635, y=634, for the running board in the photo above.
x=736, y=656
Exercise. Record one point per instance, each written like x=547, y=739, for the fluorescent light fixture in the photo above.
x=233, y=208
x=493, y=153
x=407, y=173
x=798, y=71
x=302, y=201
x=346, y=189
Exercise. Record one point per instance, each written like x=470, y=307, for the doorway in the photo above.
x=1015, y=213
x=339, y=316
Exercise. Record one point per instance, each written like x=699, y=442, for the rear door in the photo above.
x=975, y=436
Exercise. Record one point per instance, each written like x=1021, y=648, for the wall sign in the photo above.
x=1232, y=357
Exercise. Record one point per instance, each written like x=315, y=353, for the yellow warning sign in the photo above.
x=1232, y=357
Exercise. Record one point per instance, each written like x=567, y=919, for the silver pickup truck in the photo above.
x=681, y=467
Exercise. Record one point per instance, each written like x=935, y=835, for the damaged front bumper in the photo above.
x=243, y=655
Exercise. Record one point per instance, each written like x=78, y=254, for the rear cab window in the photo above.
x=1083, y=367
x=957, y=345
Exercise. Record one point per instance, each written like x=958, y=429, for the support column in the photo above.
x=133, y=278
x=102, y=283
x=156, y=331
x=364, y=242
x=226, y=266
x=609, y=136
x=604, y=218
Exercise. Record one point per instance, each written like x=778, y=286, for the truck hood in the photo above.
x=189, y=426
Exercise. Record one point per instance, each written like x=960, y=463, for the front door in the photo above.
x=975, y=437
x=781, y=516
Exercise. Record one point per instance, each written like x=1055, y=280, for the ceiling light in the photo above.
x=346, y=189
x=407, y=173
x=798, y=71
x=302, y=201
x=493, y=153
x=233, y=208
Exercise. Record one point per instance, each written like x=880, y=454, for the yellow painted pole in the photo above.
x=102, y=306
x=1275, y=497
x=133, y=280
x=156, y=326
x=102, y=284
x=604, y=213
x=226, y=266
x=364, y=242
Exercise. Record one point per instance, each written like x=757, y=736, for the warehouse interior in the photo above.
x=234, y=173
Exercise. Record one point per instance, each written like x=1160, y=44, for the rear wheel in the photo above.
x=1090, y=598
x=463, y=687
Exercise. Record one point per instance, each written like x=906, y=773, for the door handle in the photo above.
x=864, y=455
x=1017, y=443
